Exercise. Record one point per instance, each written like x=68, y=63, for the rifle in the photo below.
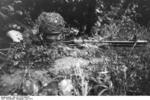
x=137, y=43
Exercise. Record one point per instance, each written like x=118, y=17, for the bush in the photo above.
x=57, y=68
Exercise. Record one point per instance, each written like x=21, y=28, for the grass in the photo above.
x=92, y=71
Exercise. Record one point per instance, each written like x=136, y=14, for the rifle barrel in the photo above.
x=112, y=43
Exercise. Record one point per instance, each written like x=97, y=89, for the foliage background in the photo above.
x=129, y=71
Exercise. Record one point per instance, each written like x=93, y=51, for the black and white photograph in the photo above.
x=74, y=48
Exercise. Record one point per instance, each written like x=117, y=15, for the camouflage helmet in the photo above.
x=51, y=23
